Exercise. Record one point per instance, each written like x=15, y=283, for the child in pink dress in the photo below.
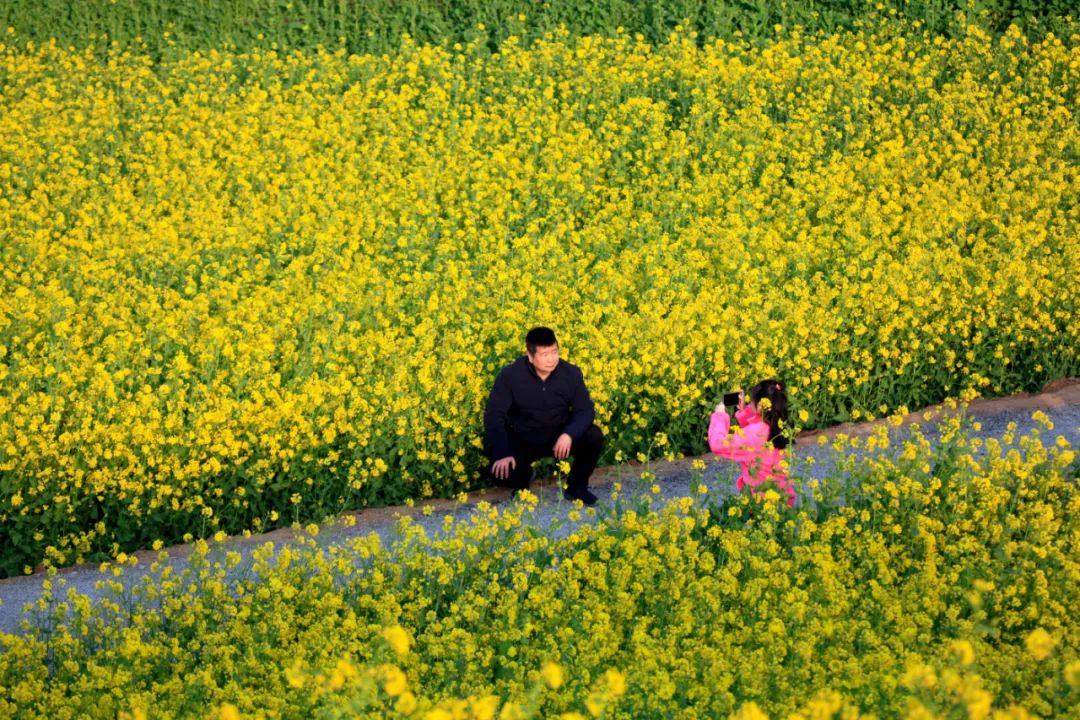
x=758, y=445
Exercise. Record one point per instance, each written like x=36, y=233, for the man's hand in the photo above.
x=562, y=446
x=501, y=469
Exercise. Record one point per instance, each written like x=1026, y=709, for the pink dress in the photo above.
x=760, y=461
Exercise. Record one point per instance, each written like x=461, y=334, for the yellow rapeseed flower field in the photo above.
x=919, y=583
x=241, y=290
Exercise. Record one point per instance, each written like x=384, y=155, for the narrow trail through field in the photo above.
x=1060, y=401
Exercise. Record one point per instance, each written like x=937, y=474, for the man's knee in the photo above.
x=593, y=438
x=519, y=477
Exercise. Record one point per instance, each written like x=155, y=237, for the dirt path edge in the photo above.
x=1058, y=393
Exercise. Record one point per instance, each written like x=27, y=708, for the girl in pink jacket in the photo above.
x=759, y=443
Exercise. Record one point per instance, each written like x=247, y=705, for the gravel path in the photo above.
x=1060, y=402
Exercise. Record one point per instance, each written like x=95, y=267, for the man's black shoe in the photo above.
x=582, y=494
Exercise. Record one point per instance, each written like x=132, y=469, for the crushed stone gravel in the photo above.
x=809, y=460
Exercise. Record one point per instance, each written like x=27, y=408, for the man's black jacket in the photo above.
x=536, y=410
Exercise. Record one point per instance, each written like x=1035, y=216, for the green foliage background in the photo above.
x=376, y=26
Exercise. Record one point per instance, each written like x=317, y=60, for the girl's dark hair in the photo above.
x=777, y=413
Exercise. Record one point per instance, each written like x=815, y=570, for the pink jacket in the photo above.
x=751, y=448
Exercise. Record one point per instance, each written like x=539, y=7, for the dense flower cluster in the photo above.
x=240, y=290
x=918, y=583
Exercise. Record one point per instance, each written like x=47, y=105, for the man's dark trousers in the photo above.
x=584, y=454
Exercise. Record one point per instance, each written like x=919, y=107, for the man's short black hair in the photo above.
x=539, y=337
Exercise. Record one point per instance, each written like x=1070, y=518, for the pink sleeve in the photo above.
x=718, y=430
x=747, y=416
x=740, y=446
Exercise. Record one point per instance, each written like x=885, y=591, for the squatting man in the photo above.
x=539, y=407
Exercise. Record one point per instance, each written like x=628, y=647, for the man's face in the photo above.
x=545, y=358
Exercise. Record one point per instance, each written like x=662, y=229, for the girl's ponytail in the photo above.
x=776, y=414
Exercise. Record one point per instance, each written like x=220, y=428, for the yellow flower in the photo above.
x=749, y=711
x=395, y=682
x=616, y=682
x=552, y=675
x=1072, y=674
x=397, y=638
x=406, y=703
x=512, y=711
x=484, y=708
x=294, y=675
x=1039, y=644
x=963, y=651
